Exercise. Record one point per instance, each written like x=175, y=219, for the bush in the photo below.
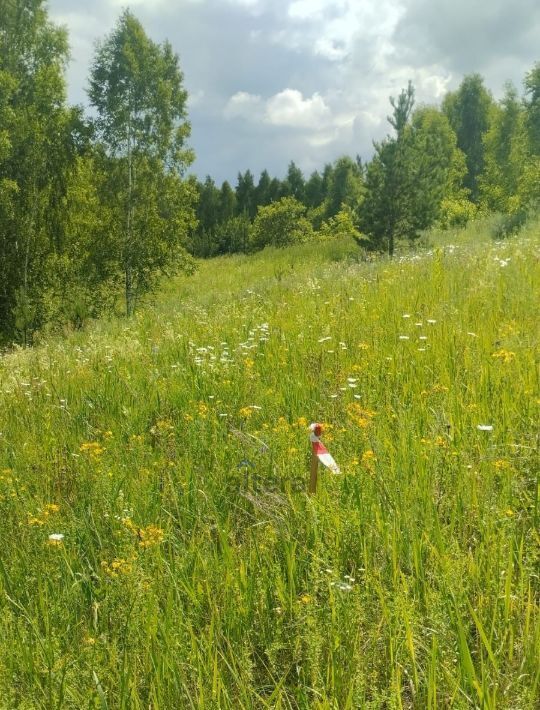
x=456, y=213
x=341, y=226
x=281, y=224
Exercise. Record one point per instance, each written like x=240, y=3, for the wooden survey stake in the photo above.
x=319, y=452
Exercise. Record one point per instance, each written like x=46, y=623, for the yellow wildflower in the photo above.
x=504, y=355
x=501, y=464
x=92, y=449
x=368, y=459
x=118, y=566
x=150, y=535
x=32, y=520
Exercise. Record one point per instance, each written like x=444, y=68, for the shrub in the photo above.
x=280, y=224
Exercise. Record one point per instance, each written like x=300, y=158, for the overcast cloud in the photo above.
x=272, y=81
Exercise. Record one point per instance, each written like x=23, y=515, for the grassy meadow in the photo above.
x=171, y=453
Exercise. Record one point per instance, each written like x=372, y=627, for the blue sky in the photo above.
x=272, y=81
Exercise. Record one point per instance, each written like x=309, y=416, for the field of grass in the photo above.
x=171, y=453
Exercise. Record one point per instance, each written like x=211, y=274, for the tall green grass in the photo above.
x=171, y=452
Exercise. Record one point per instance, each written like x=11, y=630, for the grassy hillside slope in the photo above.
x=171, y=452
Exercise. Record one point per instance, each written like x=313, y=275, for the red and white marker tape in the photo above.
x=320, y=450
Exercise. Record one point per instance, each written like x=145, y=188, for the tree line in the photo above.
x=94, y=209
x=437, y=166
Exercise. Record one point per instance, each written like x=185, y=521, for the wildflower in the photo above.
x=363, y=346
x=406, y=315
x=305, y=598
x=51, y=508
x=118, y=566
x=501, y=464
x=33, y=520
x=245, y=412
x=342, y=586
x=92, y=448
x=323, y=340
x=404, y=337
x=150, y=535
x=484, y=427
x=368, y=459
x=431, y=321
x=56, y=539
x=504, y=355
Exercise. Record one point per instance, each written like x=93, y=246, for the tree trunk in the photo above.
x=130, y=295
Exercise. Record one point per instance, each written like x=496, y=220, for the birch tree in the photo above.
x=136, y=88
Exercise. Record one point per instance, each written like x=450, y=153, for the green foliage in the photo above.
x=36, y=149
x=136, y=90
x=415, y=179
x=280, y=224
x=505, y=145
x=344, y=186
x=294, y=184
x=341, y=226
x=233, y=235
x=314, y=191
x=246, y=195
x=467, y=110
x=456, y=212
x=532, y=107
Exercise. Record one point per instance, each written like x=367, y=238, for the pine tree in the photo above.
x=245, y=195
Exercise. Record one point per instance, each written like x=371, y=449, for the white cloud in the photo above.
x=289, y=108
x=244, y=105
x=314, y=75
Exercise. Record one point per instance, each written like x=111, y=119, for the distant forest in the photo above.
x=95, y=209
